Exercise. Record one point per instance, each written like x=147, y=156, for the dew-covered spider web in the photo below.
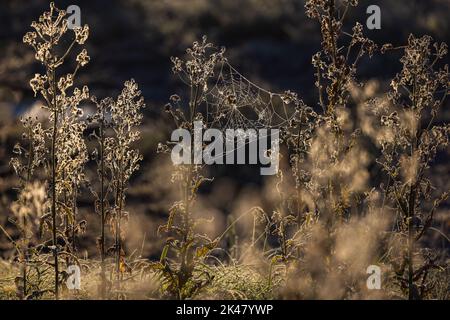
x=234, y=102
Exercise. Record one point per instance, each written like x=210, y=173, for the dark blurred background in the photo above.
x=270, y=41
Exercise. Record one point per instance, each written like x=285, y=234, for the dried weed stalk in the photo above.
x=409, y=145
x=185, y=249
x=67, y=151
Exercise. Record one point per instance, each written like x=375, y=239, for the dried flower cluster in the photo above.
x=121, y=160
x=68, y=153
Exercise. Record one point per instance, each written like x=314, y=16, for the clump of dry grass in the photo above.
x=238, y=282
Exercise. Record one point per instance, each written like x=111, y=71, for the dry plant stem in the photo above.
x=25, y=249
x=119, y=205
x=411, y=207
x=102, y=203
x=118, y=225
x=74, y=211
x=411, y=248
x=24, y=266
x=66, y=218
x=53, y=189
x=184, y=273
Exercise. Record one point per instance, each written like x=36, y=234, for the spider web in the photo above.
x=234, y=102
